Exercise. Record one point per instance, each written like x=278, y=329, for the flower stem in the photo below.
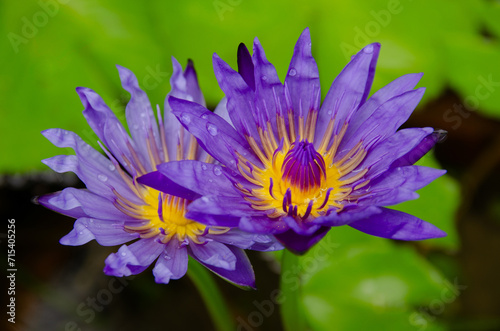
x=211, y=295
x=292, y=312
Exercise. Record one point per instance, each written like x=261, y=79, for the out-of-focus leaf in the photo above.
x=353, y=281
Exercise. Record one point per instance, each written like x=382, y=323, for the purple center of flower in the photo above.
x=303, y=166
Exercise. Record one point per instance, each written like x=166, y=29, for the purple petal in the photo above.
x=245, y=66
x=192, y=86
x=420, y=150
x=398, y=185
x=72, y=200
x=202, y=178
x=384, y=121
x=133, y=259
x=51, y=201
x=221, y=110
x=304, y=229
x=160, y=182
x=94, y=169
x=173, y=129
x=108, y=128
x=216, y=220
x=387, y=151
x=347, y=216
x=262, y=224
x=215, y=254
x=222, y=205
x=242, y=275
x=397, y=87
x=240, y=98
x=302, y=79
x=299, y=244
x=106, y=233
x=349, y=90
x=269, y=94
x=394, y=224
x=214, y=134
x=172, y=264
x=140, y=117
x=246, y=240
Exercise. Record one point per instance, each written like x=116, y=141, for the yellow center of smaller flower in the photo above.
x=166, y=215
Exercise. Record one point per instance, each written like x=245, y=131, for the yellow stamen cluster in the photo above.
x=278, y=196
x=160, y=215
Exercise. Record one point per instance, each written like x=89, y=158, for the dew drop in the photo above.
x=123, y=253
x=204, y=116
x=292, y=72
x=111, y=167
x=368, y=49
x=217, y=171
x=330, y=112
x=212, y=129
x=204, y=199
x=210, y=181
x=166, y=256
x=264, y=78
x=102, y=178
x=203, y=167
x=185, y=118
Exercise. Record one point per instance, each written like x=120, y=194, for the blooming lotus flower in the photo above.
x=298, y=167
x=115, y=208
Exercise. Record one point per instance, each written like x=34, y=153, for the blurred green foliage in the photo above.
x=53, y=46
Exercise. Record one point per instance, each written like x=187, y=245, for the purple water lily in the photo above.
x=294, y=168
x=115, y=208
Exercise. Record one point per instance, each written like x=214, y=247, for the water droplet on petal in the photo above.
x=212, y=129
x=167, y=257
x=111, y=167
x=368, y=49
x=203, y=167
x=102, y=178
x=264, y=77
x=123, y=253
x=217, y=171
x=292, y=72
x=204, y=116
x=185, y=118
x=211, y=181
